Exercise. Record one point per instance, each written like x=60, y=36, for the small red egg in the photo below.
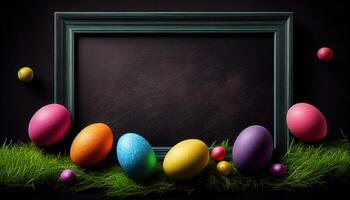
x=325, y=54
x=218, y=153
x=306, y=122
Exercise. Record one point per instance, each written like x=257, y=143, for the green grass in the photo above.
x=315, y=166
x=27, y=167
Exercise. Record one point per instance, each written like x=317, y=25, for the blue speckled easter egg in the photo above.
x=136, y=156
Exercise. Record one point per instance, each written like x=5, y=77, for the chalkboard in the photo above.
x=171, y=76
x=170, y=87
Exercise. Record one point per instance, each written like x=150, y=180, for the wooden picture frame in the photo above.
x=69, y=24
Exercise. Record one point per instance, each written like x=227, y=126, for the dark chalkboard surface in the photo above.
x=170, y=87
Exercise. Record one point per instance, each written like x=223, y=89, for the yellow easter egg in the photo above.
x=224, y=167
x=186, y=159
x=25, y=74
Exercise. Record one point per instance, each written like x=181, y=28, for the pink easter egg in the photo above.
x=306, y=122
x=49, y=125
x=325, y=54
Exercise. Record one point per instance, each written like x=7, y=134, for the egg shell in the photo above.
x=186, y=159
x=49, y=125
x=92, y=145
x=306, y=122
x=224, y=167
x=136, y=156
x=252, y=149
x=278, y=170
x=218, y=153
x=325, y=54
x=25, y=74
x=67, y=176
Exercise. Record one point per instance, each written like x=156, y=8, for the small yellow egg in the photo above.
x=224, y=167
x=25, y=74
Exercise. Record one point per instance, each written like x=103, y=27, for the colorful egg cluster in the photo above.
x=136, y=156
x=251, y=151
x=51, y=123
x=218, y=154
x=186, y=159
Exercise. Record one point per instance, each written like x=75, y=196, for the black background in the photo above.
x=27, y=39
x=171, y=87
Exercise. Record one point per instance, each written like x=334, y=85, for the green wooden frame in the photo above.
x=68, y=24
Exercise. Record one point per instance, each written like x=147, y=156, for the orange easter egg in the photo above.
x=92, y=145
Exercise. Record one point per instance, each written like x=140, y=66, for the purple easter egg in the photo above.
x=252, y=149
x=278, y=170
x=67, y=176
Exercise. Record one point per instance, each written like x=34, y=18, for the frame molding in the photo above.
x=68, y=24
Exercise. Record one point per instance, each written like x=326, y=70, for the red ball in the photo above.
x=306, y=122
x=218, y=153
x=325, y=54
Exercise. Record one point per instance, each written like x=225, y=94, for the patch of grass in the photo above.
x=114, y=182
x=311, y=166
x=25, y=166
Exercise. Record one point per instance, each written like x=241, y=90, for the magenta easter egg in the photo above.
x=49, y=125
x=278, y=170
x=67, y=176
x=306, y=122
x=252, y=149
